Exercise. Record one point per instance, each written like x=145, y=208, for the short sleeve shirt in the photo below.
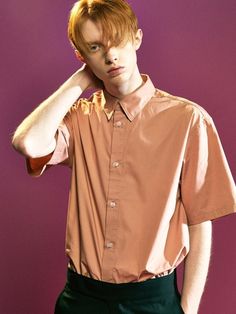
x=143, y=169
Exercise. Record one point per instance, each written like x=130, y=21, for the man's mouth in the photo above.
x=114, y=69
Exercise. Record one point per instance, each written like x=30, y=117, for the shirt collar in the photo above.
x=133, y=103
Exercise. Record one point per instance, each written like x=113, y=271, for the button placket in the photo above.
x=114, y=190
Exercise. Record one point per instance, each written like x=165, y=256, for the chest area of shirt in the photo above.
x=146, y=139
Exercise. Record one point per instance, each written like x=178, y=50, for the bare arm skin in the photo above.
x=35, y=136
x=196, y=266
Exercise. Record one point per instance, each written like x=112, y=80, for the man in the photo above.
x=148, y=174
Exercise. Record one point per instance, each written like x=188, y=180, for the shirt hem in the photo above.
x=213, y=215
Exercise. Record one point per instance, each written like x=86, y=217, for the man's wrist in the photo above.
x=78, y=79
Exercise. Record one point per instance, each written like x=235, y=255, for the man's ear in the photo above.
x=79, y=56
x=138, y=39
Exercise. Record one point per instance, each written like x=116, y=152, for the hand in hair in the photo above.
x=92, y=80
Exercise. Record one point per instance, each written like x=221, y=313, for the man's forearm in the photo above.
x=196, y=266
x=35, y=136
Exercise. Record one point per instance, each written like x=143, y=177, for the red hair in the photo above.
x=117, y=19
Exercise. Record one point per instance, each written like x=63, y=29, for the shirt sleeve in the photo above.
x=61, y=155
x=207, y=185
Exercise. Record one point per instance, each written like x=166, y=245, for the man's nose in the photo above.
x=111, y=55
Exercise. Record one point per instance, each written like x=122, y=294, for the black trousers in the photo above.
x=83, y=295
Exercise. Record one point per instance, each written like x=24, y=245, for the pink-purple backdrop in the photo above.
x=189, y=50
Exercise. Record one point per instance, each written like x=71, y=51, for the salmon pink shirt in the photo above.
x=143, y=169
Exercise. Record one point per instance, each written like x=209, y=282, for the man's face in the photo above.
x=102, y=60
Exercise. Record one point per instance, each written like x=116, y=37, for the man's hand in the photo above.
x=88, y=79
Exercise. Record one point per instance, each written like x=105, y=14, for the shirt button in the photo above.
x=115, y=164
x=109, y=245
x=118, y=124
x=112, y=204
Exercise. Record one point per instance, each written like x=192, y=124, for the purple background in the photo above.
x=189, y=50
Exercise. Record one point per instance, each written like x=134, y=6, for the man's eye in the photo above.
x=94, y=47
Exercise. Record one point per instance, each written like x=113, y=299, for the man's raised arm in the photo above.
x=35, y=136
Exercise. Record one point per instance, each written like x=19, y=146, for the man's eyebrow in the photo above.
x=93, y=42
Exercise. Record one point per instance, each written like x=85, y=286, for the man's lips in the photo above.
x=114, y=69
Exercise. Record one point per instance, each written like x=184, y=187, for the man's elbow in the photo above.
x=19, y=144
x=32, y=148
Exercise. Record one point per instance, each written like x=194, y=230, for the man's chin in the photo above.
x=118, y=79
